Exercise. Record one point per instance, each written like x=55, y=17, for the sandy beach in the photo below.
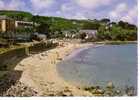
x=39, y=72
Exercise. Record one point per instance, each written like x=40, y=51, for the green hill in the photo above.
x=17, y=15
x=118, y=30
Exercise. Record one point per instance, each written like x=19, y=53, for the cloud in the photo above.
x=79, y=16
x=116, y=10
x=91, y=4
x=39, y=5
x=125, y=13
x=58, y=12
x=119, y=10
x=122, y=7
x=131, y=15
x=1, y=4
x=12, y=5
x=67, y=10
x=16, y=4
x=66, y=7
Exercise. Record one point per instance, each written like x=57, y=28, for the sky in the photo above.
x=116, y=10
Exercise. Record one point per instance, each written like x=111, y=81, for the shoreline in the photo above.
x=126, y=91
x=40, y=72
x=78, y=50
x=116, y=42
x=41, y=77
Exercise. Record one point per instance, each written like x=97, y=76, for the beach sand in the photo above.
x=39, y=72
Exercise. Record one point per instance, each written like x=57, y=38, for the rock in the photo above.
x=67, y=94
x=40, y=58
x=100, y=91
x=98, y=94
x=110, y=85
x=108, y=93
x=118, y=91
x=20, y=64
x=44, y=54
x=19, y=89
x=94, y=91
x=89, y=88
x=59, y=59
x=51, y=94
x=130, y=91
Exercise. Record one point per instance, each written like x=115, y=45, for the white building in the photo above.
x=9, y=24
x=23, y=24
x=89, y=33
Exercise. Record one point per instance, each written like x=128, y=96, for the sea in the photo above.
x=98, y=65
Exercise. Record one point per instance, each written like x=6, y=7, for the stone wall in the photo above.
x=12, y=57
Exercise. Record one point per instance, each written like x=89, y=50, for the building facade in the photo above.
x=6, y=24
x=23, y=24
x=9, y=25
x=89, y=33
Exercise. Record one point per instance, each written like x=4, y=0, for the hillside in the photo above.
x=57, y=22
x=17, y=15
x=106, y=29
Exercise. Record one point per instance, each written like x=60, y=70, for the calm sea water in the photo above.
x=97, y=66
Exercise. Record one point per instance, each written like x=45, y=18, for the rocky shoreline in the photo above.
x=37, y=76
x=10, y=86
x=111, y=90
x=19, y=89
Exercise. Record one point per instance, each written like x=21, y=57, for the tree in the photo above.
x=122, y=24
x=91, y=25
x=43, y=28
x=105, y=20
x=82, y=36
x=131, y=26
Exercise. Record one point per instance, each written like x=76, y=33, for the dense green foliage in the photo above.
x=17, y=15
x=55, y=26
x=123, y=32
x=56, y=23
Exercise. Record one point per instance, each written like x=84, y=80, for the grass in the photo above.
x=3, y=49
